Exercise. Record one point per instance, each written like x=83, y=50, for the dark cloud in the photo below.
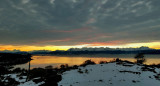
x=72, y=22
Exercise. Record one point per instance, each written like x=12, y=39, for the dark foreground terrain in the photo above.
x=64, y=75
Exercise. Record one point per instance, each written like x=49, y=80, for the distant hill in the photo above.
x=145, y=50
x=86, y=50
x=110, y=49
x=13, y=58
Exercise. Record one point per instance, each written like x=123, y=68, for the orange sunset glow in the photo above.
x=154, y=45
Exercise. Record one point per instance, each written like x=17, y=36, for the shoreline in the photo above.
x=48, y=74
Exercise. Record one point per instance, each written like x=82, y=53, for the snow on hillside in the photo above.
x=22, y=80
x=111, y=74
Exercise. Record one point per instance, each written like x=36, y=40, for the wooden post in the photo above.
x=28, y=72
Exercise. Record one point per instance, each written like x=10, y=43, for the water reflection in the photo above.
x=56, y=61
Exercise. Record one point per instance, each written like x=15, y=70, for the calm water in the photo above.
x=56, y=61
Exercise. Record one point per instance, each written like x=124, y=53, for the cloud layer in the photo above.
x=75, y=22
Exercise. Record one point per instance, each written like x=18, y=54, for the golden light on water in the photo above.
x=56, y=61
x=47, y=60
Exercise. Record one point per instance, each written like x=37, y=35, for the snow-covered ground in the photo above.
x=31, y=83
x=110, y=74
x=21, y=80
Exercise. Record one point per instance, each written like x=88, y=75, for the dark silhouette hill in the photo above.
x=13, y=58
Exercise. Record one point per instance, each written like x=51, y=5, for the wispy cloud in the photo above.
x=88, y=29
x=69, y=22
x=53, y=41
x=107, y=43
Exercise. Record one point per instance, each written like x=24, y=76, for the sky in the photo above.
x=61, y=24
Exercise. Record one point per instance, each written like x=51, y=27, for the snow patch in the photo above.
x=109, y=75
